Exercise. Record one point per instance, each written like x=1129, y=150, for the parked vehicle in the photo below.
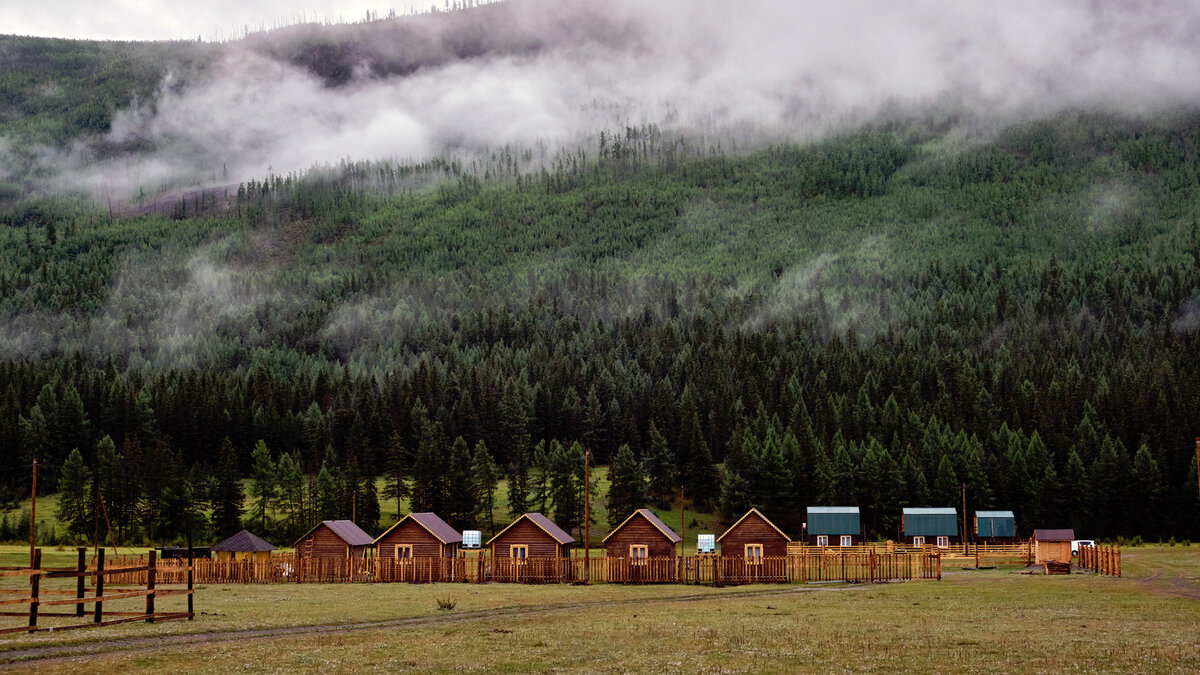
x=1076, y=543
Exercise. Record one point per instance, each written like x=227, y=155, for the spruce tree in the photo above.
x=74, y=495
x=486, y=476
x=264, y=470
x=661, y=469
x=627, y=489
x=395, y=470
x=228, y=497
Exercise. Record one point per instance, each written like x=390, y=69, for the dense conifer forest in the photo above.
x=878, y=317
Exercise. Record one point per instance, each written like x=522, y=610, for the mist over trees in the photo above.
x=891, y=318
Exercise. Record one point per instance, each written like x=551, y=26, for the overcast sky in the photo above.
x=172, y=19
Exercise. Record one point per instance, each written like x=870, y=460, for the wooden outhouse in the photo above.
x=930, y=526
x=418, y=535
x=334, y=539
x=641, y=535
x=1052, y=546
x=244, y=545
x=995, y=527
x=833, y=526
x=531, y=536
x=753, y=536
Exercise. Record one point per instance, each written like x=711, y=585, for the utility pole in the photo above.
x=587, y=515
x=33, y=515
x=682, y=525
x=964, y=518
x=1198, y=462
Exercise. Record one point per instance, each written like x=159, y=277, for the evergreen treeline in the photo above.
x=878, y=320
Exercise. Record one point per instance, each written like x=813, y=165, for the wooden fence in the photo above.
x=1100, y=559
x=1015, y=550
x=35, y=597
x=480, y=568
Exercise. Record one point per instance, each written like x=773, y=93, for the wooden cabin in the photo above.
x=334, y=539
x=753, y=536
x=531, y=536
x=418, y=535
x=1052, y=546
x=930, y=527
x=995, y=527
x=641, y=535
x=244, y=545
x=833, y=526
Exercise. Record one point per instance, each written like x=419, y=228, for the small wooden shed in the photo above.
x=833, y=526
x=418, y=535
x=244, y=545
x=930, y=526
x=1052, y=545
x=996, y=527
x=753, y=536
x=531, y=536
x=641, y=535
x=334, y=539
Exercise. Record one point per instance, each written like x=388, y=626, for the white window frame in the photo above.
x=822, y=540
x=943, y=542
x=918, y=540
x=754, y=554
x=403, y=547
x=847, y=540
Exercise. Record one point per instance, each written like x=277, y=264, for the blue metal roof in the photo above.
x=995, y=524
x=930, y=522
x=833, y=520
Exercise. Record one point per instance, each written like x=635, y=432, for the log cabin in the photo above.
x=334, y=539
x=833, y=526
x=930, y=527
x=995, y=527
x=753, y=537
x=418, y=535
x=641, y=535
x=244, y=545
x=531, y=536
x=1052, y=546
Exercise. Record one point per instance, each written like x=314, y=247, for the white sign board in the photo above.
x=706, y=543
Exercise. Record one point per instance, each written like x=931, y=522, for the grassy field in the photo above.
x=995, y=620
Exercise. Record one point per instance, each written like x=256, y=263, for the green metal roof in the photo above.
x=995, y=524
x=930, y=522
x=833, y=520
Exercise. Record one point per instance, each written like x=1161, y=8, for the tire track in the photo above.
x=63, y=654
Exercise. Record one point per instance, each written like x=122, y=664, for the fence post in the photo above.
x=35, y=584
x=82, y=569
x=150, y=569
x=99, y=586
x=191, y=562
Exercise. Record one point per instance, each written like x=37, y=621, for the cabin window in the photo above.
x=918, y=541
x=847, y=540
x=639, y=553
x=519, y=551
x=754, y=553
x=822, y=540
x=943, y=542
x=404, y=551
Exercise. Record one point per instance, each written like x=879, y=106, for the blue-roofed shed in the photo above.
x=930, y=526
x=833, y=526
x=995, y=526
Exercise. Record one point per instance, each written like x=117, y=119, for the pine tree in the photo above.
x=565, y=492
x=395, y=468
x=74, y=495
x=486, y=476
x=463, y=502
x=326, y=498
x=264, y=470
x=228, y=498
x=518, y=484
x=661, y=469
x=627, y=489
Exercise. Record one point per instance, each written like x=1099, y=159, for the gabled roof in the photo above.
x=244, y=542
x=543, y=523
x=834, y=520
x=846, y=510
x=760, y=515
x=432, y=524
x=994, y=514
x=346, y=530
x=658, y=524
x=1054, y=535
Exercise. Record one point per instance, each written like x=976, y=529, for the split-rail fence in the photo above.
x=1104, y=560
x=107, y=585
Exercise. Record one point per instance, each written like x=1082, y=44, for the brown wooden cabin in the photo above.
x=1052, y=545
x=641, y=535
x=531, y=536
x=753, y=536
x=244, y=545
x=419, y=535
x=334, y=539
